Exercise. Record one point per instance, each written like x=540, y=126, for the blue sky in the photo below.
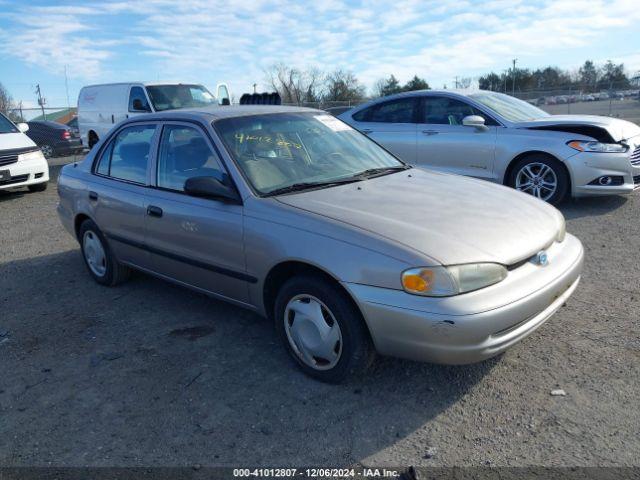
x=234, y=41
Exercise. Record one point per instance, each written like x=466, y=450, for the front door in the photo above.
x=445, y=144
x=197, y=241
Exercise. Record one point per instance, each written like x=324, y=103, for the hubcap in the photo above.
x=537, y=179
x=47, y=150
x=313, y=332
x=94, y=253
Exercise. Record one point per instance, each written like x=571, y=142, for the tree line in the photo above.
x=588, y=78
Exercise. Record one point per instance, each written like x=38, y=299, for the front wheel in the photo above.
x=102, y=265
x=322, y=329
x=540, y=176
x=47, y=151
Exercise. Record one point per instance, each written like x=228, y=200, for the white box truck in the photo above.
x=100, y=107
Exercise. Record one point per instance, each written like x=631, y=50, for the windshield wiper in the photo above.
x=374, y=172
x=298, y=187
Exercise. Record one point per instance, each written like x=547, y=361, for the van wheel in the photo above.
x=542, y=176
x=100, y=261
x=322, y=329
x=93, y=139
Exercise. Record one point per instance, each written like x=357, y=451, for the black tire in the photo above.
x=38, y=187
x=92, y=140
x=115, y=273
x=48, y=151
x=560, y=172
x=357, y=351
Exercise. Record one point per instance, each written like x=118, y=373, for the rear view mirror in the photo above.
x=211, y=187
x=473, y=121
x=140, y=107
x=23, y=127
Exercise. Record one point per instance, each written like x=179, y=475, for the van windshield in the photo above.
x=6, y=126
x=169, y=97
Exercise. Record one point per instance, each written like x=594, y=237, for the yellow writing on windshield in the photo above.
x=247, y=137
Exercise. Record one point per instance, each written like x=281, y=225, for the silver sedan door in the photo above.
x=445, y=144
x=196, y=241
x=392, y=124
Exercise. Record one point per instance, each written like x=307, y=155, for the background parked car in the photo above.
x=499, y=138
x=54, y=139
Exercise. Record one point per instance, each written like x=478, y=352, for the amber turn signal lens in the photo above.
x=418, y=282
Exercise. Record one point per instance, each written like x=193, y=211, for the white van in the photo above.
x=22, y=164
x=100, y=107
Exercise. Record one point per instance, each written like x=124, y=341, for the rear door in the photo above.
x=118, y=189
x=445, y=144
x=197, y=241
x=392, y=124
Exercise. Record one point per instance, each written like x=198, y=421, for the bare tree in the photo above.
x=464, y=82
x=295, y=85
x=6, y=101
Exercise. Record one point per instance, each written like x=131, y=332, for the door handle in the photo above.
x=154, y=211
x=430, y=132
x=93, y=196
x=367, y=131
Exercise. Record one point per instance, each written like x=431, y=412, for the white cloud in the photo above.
x=199, y=40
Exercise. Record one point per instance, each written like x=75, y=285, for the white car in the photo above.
x=100, y=107
x=22, y=164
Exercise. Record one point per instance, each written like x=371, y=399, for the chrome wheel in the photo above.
x=313, y=332
x=94, y=253
x=537, y=179
x=47, y=151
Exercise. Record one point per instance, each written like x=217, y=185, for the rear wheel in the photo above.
x=38, y=187
x=47, y=151
x=541, y=176
x=102, y=265
x=322, y=329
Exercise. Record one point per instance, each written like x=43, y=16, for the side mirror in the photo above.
x=211, y=187
x=475, y=121
x=139, y=106
x=23, y=127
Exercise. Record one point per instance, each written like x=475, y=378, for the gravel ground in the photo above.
x=152, y=374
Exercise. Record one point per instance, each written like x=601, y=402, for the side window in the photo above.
x=362, y=115
x=138, y=100
x=184, y=153
x=395, y=111
x=127, y=155
x=449, y=111
x=223, y=95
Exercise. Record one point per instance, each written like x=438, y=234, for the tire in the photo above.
x=104, y=268
x=38, y=187
x=350, y=351
x=92, y=140
x=47, y=150
x=525, y=177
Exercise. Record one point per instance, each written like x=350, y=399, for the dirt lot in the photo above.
x=151, y=374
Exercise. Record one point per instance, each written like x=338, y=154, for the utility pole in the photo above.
x=41, y=101
x=514, y=77
x=66, y=86
x=456, y=81
x=255, y=88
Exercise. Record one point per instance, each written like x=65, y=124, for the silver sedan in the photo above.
x=496, y=137
x=293, y=214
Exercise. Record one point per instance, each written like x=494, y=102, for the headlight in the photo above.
x=452, y=280
x=562, y=231
x=35, y=155
x=597, y=147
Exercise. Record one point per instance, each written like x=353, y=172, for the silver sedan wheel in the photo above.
x=94, y=253
x=313, y=332
x=537, y=179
